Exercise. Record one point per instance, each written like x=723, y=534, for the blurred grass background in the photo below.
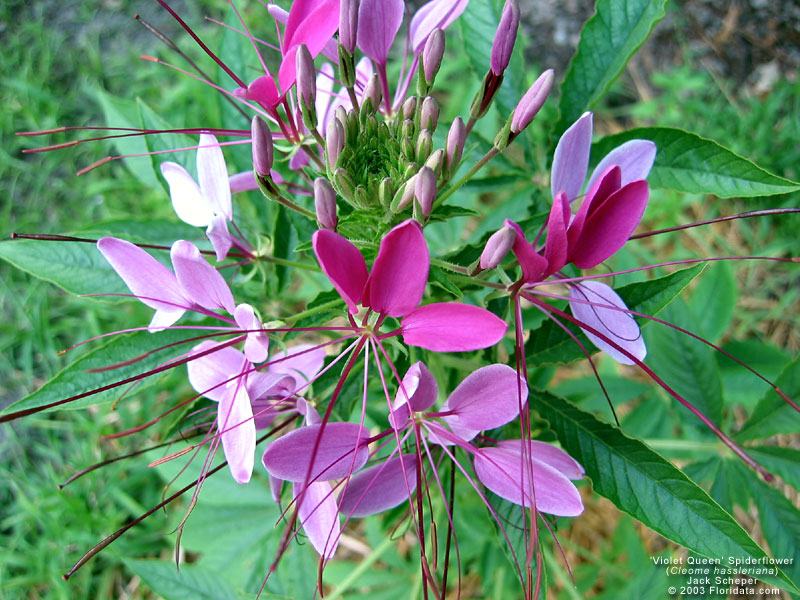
x=56, y=54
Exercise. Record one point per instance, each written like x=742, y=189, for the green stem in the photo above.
x=287, y=263
x=362, y=568
x=460, y=183
x=448, y=266
x=474, y=280
x=312, y=311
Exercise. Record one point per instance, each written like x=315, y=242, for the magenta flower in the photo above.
x=395, y=285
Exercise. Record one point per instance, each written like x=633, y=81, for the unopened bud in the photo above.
x=435, y=161
x=404, y=195
x=386, y=191
x=497, y=246
x=263, y=151
x=325, y=204
x=432, y=55
x=429, y=114
x=344, y=183
x=425, y=190
x=373, y=93
x=531, y=102
x=454, y=148
x=504, y=37
x=424, y=145
x=409, y=107
x=348, y=24
x=306, y=85
x=334, y=142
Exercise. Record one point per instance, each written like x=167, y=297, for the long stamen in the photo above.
x=745, y=215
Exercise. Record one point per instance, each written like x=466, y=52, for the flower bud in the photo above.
x=425, y=190
x=424, y=145
x=344, y=183
x=432, y=55
x=429, y=115
x=409, y=107
x=334, y=142
x=504, y=37
x=325, y=204
x=456, y=138
x=531, y=102
x=348, y=24
x=263, y=151
x=306, y=76
x=435, y=161
x=373, y=93
x=386, y=191
x=404, y=195
x=497, y=246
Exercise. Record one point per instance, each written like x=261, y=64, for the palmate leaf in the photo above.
x=608, y=40
x=646, y=486
x=550, y=344
x=773, y=414
x=686, y=162
x=77, y=378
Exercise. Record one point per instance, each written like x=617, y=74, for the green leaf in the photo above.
x=689, y=163
x=784, y=462
x=191, y=582
x=608, y=40
x=78, y=377
x=646, y=486
x=713, y=301
x=550, y=344
x=75, y=267
x=689, y=366
x=780, y=523
x=773, y=414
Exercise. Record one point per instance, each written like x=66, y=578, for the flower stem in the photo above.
x=460, y=183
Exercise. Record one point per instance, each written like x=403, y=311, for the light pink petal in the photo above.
x=262, y=90
x=571, y=158
x=163, y=319
x=601, y=190
x=210, y=374
x=635, y=158
x=199, y=280
x=504, y=473
x=420, y=389
x=325, y=80
x=299, y=362
x=452, y=327
x=299, y=160
x=315, y=28
x=608, y=227
x=341, y=449
x=400, y=271
x=237, y=430
x=555, y=250
x=533, y=264
x=217, y=234
x=436, y=14
x=549, y=454
x=378, y=24
x=243, y=182
x=189, y=204
x=319, y=516
x=256, y=344
x=263, y=385
x=343, y=264
x=212, y=175
x=617, y=325
x=487, y=398
x=380, y=487
x=146, y=278
x=275, y=488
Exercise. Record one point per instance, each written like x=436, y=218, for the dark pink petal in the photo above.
x=555, y=250
x=635, y=158
x=378, y=24
x=436, y=14
x=315, y=30
x=400, y=271
x=289, y=457
x=256, y=345
x=237, y=430
x=343, y=264
x=380, y=487
x=452, y=327
x=601, y=190
x=262, y=90
x=146, y=278
x=199, y=280
x=211, y=373
x=609, y=226
x=617, y=325
x=549, y=454
x=299, y=362
x=532, y=263
x=571, y=158
x=212, y=175
x=319, y=516
x=487, y=398
x=504, y=473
